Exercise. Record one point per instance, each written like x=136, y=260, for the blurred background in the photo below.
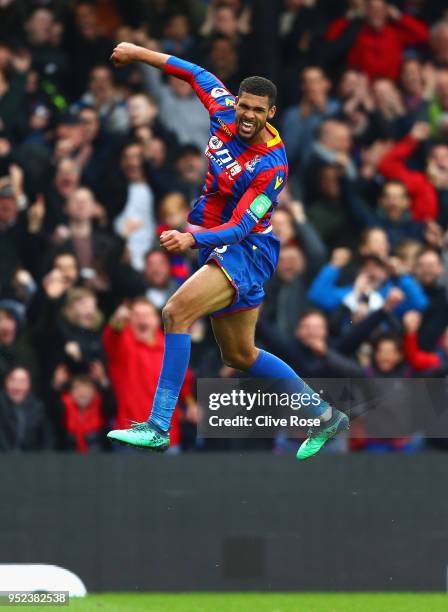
x=96, y=162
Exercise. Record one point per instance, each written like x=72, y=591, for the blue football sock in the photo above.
x=174, y=368
x=268, y=365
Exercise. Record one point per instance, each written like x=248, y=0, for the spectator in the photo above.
x=224, y=61
x=177, y=37
x=103, y=96
x=181, y=112
x=24, y=425
x=439, y=43
x=414, y=83
x=144, y=120
x=95, y=250
x=66, y=181
x=15, y=347
x=191, y=168
x=13, y=100
x=134, y=345
x=20, y=236
x=421, y=187
x=161, y=285
x=438, y=107
x=327, y=212
x=50, y=61
x=332, y=146
x=72, y=329
x=374, y=43
x=82, y=410
x=173, y=214
x=95, y=148
x=418, y=358
x=429, y=271
x=392, y=215
x=86, y=44
x=301, y=255
x=135, y=223
x=311, y=351
x=301, y=122
x=388, y=119
x=374, y=282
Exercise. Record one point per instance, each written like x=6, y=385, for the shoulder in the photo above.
x=276, y=157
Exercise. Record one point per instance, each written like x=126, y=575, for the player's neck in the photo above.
x=262, y=137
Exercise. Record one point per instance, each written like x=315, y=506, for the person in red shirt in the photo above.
x=422, y=360
x=375, y=47
x=134, y=345
x=422, y=187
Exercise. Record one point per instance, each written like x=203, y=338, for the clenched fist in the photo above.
x=176, y=242
x=124, y=54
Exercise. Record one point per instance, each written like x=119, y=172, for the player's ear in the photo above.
x=272, y=111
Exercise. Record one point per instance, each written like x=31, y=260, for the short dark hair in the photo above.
x=393, y=337
x=396, y=183
x=259, y=86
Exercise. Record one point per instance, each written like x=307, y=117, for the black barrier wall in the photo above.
x=230, y=522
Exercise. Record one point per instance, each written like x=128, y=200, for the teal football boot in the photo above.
x=141, y=435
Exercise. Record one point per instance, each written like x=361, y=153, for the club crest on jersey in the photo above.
x=217, y=92
x=215, y=143
x=250, y=165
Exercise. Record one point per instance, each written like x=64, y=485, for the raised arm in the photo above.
x=209, y=89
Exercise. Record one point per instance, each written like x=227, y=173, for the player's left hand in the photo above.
x=176, y=242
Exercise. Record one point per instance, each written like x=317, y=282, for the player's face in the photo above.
x=252, y=113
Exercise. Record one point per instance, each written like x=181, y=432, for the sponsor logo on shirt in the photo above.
x=217, y=92
x=222, y=157
x=250, y=165
x=225, y=128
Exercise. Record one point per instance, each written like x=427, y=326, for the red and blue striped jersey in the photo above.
x=237, y=171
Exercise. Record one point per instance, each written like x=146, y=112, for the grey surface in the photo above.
x=230, y=522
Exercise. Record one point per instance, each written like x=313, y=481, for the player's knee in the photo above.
x=174, y=317
x=240, y=359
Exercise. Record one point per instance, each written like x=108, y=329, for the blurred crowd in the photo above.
x=95, y=163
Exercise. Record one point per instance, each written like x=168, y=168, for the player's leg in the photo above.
x=208, y=290
x=235, y=334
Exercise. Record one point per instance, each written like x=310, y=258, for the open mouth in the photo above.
x=247, y=127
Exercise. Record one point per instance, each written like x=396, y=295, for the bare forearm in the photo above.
x=152, y=58
x=126, y=53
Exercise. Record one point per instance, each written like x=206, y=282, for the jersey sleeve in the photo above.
x=252, y=207
x=209, y=89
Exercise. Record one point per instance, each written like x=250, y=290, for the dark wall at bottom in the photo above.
x=230, y=522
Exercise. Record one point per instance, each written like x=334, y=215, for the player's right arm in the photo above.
x=208, y=88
